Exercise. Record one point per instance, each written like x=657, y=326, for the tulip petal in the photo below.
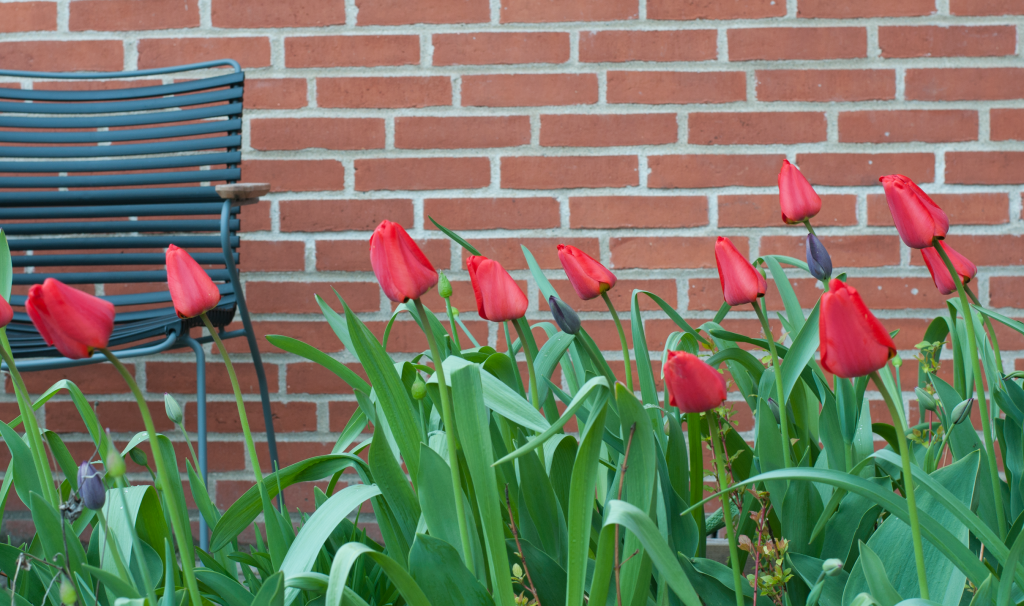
x=74, y=322
x=498, y=297
x=402, y=270
x=693, y=385
x=797, y=198
x=586, y=275
x=741, y=283
x=853, y=342
x=192, y=290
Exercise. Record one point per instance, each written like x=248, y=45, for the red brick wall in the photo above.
x=636, y=129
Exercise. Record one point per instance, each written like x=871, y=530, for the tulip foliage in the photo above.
x=531, y=475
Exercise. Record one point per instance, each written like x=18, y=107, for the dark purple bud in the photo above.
x=90, y=486
x=567, y=319
x=818, y=260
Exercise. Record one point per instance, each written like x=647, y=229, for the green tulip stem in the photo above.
x=694, y=441
x=723, y=481
x=531, y=373
x=114, y=550
x=242, y=417
x=783, y=409
x=195, y=459
x=622, y=339
x=136, y=542
x=989, y=328
x=182, y=530
x=452, y=437
x=508, y=343
x=451, y=322
x=810, y=230
x=908, y=481
x=35, y=440
x=979, y=387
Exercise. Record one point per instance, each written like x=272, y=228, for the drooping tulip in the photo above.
x=192, y=290
x=74, y=322
x=741, y=283
x=797, y=198
x=402, y=269
x=818, y=260
x=90, y=486
x=498, y=297
x=588, y=277
x=940, y=273
x=853, y=342
x=565, y=317
x=693, y=385
x=918, y=219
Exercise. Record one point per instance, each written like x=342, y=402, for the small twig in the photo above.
x=622, y=482
x=522, y=556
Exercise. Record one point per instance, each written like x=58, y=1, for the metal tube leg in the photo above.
x=204, y=531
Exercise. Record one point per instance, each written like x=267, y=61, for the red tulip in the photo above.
x=940, y=273
x=74, y=322
x=498, y=297
x=853, y=342
x=918, y=219
x=693, y=385
x=797, y=198
x=402, y=269
x=192, y=290
x=741, y=283
x=588, y=277
x=6, y=313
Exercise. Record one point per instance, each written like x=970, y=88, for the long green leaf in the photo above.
x=789, y=299
x=26, y=481
x=499, y=397
x=229, y=590
x=346, y=558
x=802, y=351
x=581, y=505
x=315, y=355
x=454, y=236
x=6, y=271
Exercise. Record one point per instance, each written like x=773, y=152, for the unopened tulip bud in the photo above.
x=114, y=463
x=926, y=399
x=832, y=566
x=567, y=319
x=444, y=286
x=173, y=409
x=90, y=487
x=962, y=412
x=68, y=596
x=818, y=260
x=419, y=389
x=139, y=457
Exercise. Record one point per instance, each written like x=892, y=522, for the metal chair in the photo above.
x=95, y=184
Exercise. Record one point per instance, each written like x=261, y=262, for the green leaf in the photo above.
x=6, y=271
x=112, y=582
x=336, y=321
x=789, y=299
x=391, y=481
x=346, y=558
x=548, y=358
x=802, y=351
x=809, y=568
x=202, y=498
x=315, y=355
x=272, y=593
x=499, y=397
x=1005, y=590
x=581, y=504
x=878, y=582
x=438, y=570
x=25, y=479
x=456, y=237
x=542, y=507
x=63, y=457
x=437, y=501
x=639, y=486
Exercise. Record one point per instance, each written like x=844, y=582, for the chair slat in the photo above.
x=130, y=149
x=183, y=115
x=100, y=166
x=96, y=212
x=115, y=107
x=118, y=242
x=115, y=227
x=187, y=176
x=135, y=134
x=113, y=277
x=72, y=260
x=123, y=93
x=202, y=193
x=145, y=298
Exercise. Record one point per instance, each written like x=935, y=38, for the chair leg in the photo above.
x=261, y=377
x=204, y=531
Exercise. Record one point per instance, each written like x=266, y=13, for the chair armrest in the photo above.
x=243, y=193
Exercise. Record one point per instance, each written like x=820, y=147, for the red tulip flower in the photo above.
x=588, y=277
x=6, y=313
x=741, y=283
x=797, y=198
x=192, y=290
x=693, y=385
x=74, y=322
x=402, y=269
x=853, y=342
x=918, y=219
x=940, y=273
x=498, y=297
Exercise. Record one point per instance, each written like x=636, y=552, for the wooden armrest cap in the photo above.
x=242, y=191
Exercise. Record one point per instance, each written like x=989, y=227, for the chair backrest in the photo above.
x=99, y=172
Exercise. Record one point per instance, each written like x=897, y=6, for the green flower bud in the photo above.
x=444, y=287
x=926, y=399
x=419, y=389
x=68, y=596
x=832, y=566
x=139, y=457
x=114, y=463
x=962, y=412
x=173, y=409
x=863, y=599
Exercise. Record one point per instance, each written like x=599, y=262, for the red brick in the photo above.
x=860, y=9
x=964, y=84
x=825, y=85
x=1006, y=124
x=952, y=41
x=645, y=252
x=276, y=93
x=713, y=170
x=567, y=172
x=1005, y=291
x=222, y=417
x=374, y=92
x=846, y=251
x=91, y=379
x=340, y=413
x=312, y=332
x=509, y=252
x=354, y=255
x=986, y=7
x=63, y=55
x=621, y=295
x=117, y=416
x=316, y=133
x=307, y=377
x=422, y=173
x=462, y=132
x=400, y=12
x=128, y=15
x=351, y=51
x=256, y=217
x=164, y=52
x=759, y=210
x=985, y=251
x=715, y=9
x=342, y=215
x=797, y=43
x=656, y=88
x=979, y=208
x=28, y=16
x=272, y=13
x=619, y=212
x=985, y=167
x=893, y=126
x=263, y=255
x=567, y=130
x=295, y=175
x=473, y=214
x=865, y=169
x=529, y=90
x=552, y=11
x=755, y=128
x=621, y=46
x=298, y=297
x=180, y=377
x=505, y=48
